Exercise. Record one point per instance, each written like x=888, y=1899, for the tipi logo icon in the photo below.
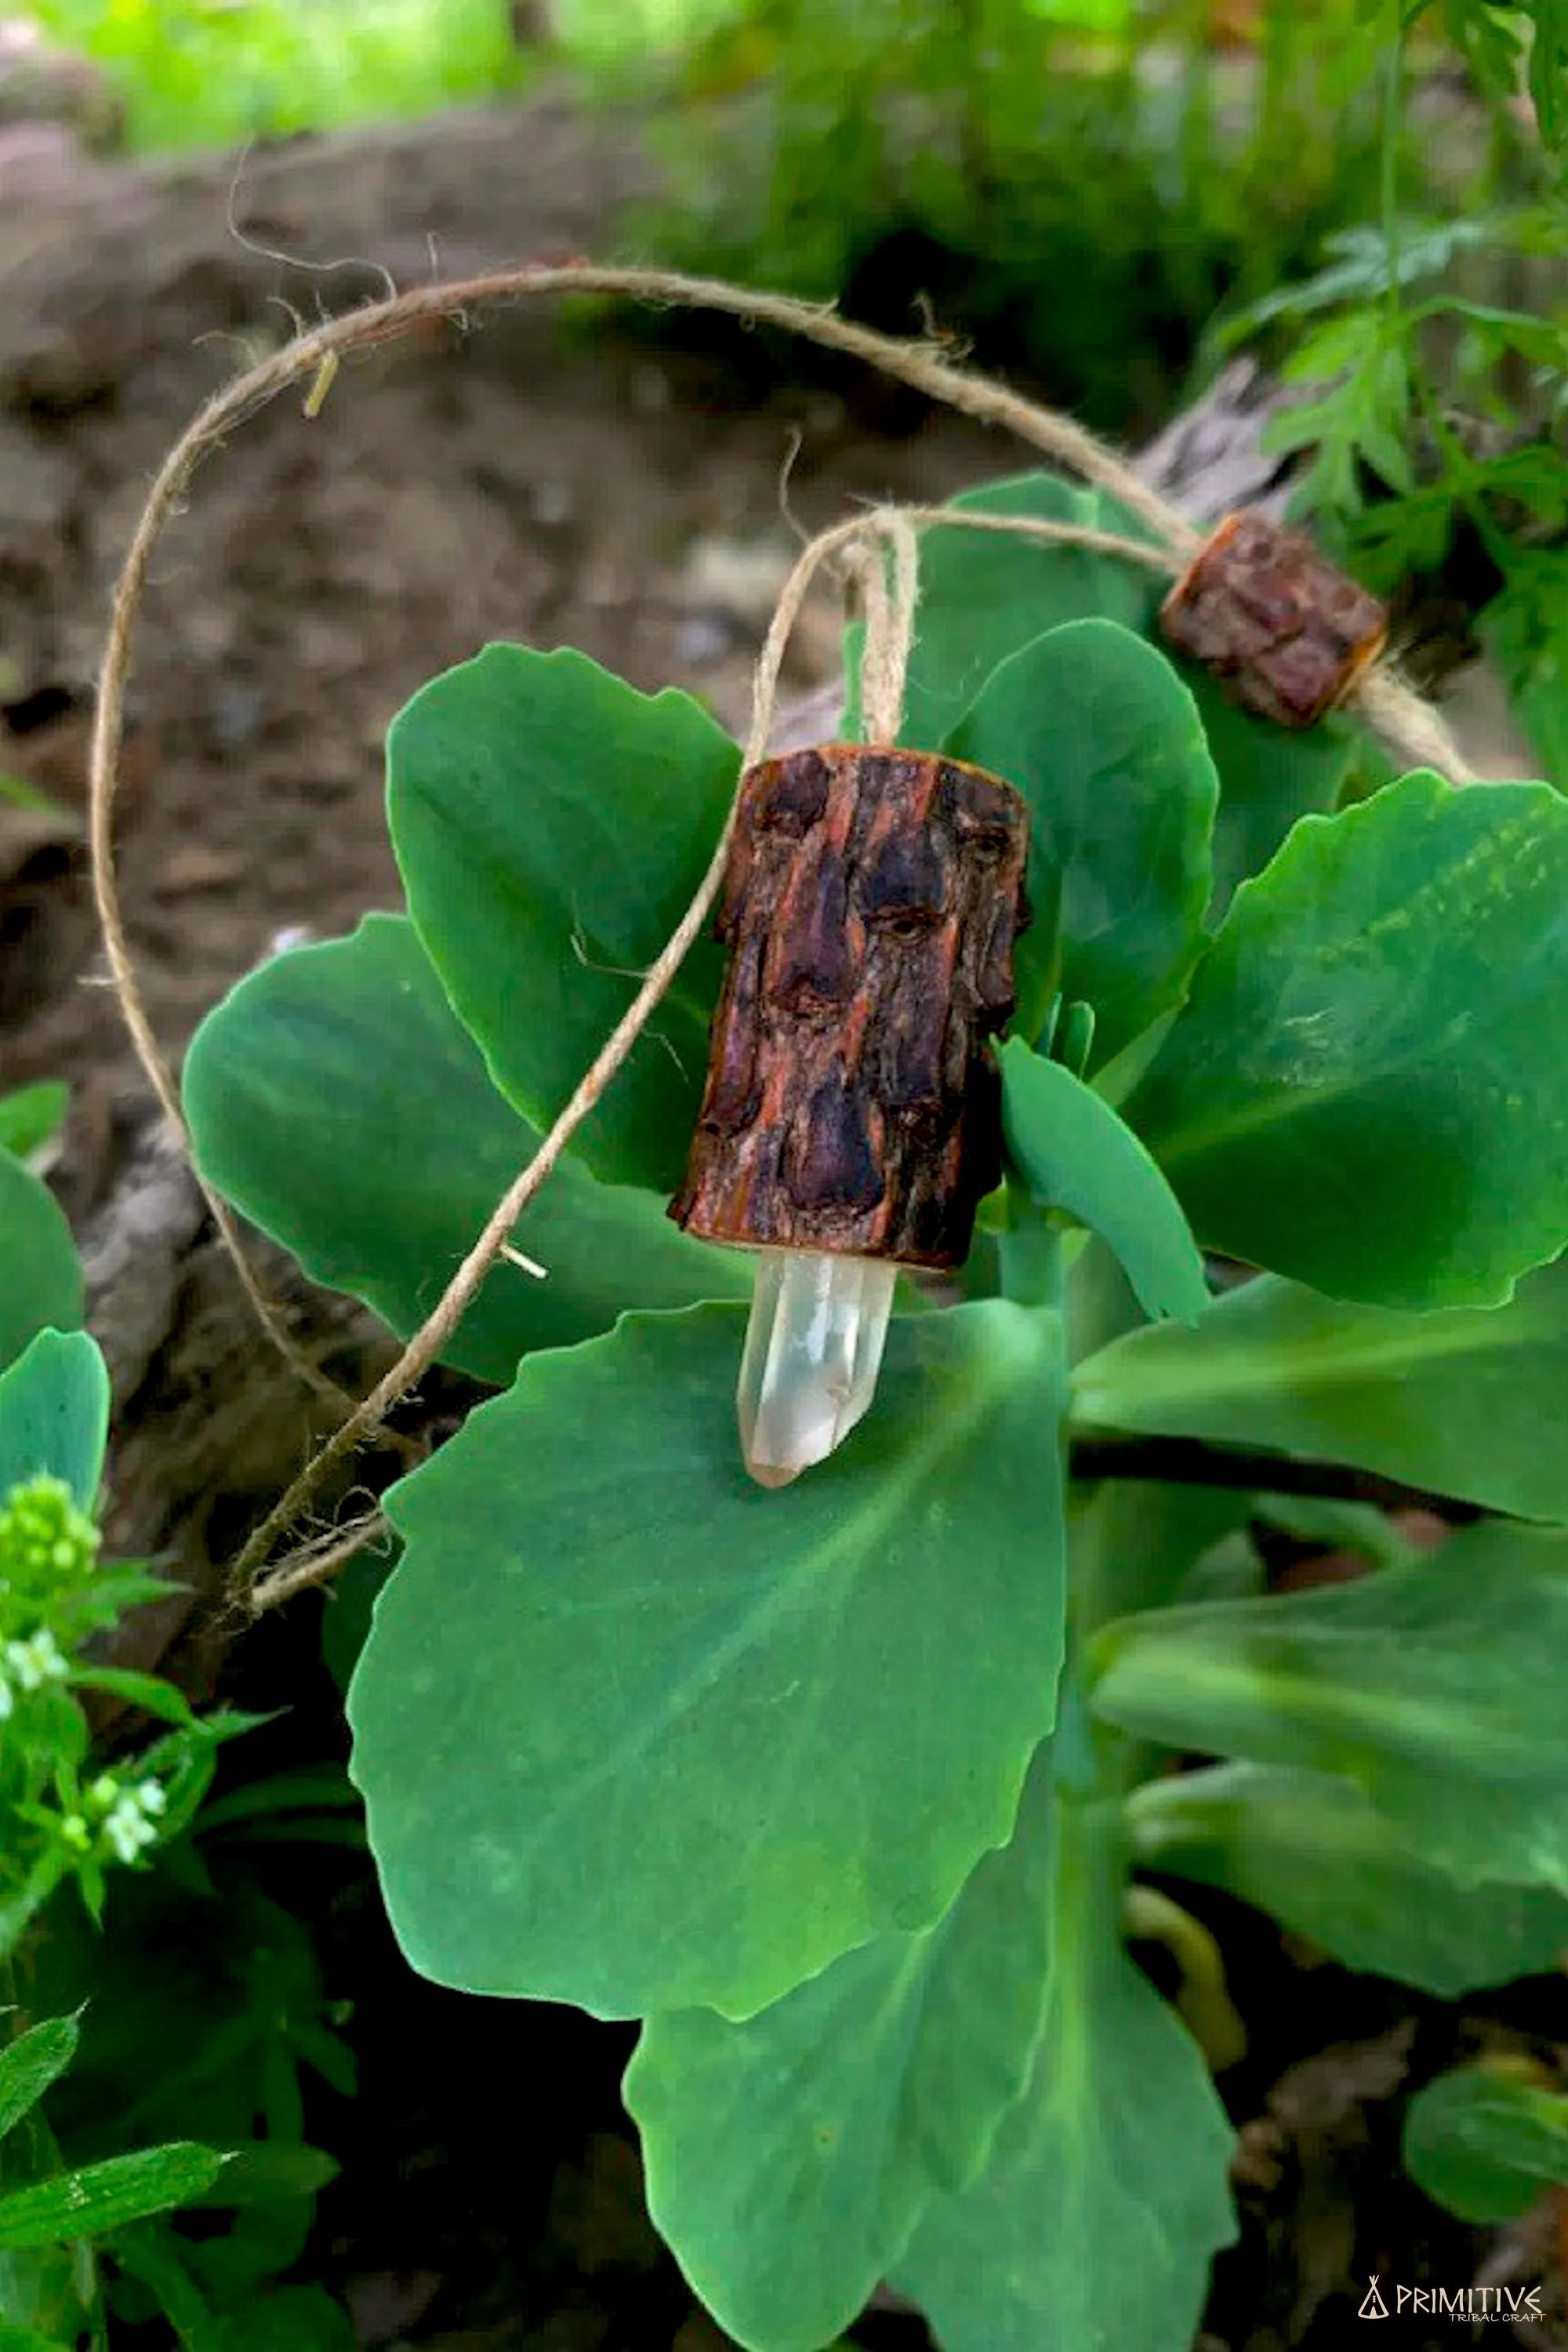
x=1373, y=2305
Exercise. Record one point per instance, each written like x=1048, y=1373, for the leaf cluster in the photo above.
x=87, y=2239
x=837, y=1788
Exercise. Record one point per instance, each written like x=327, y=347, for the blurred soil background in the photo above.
x=620, y=486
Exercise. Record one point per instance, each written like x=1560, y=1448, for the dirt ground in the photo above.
x=500, y=482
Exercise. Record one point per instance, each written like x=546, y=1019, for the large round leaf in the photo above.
x=985, y=593
x=337, y=1099
x=636, y=1734
x=551, y=825
x=1103, y=739
x=40, y=1274
x=1366, y=1089
x=789, y=2157
x=1470, y=1402
x=1105, y=2193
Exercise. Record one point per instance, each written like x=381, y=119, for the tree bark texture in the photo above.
x=870, y=909
x=1285, y=632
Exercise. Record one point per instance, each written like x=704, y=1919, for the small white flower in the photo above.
x=129, y=1824
x=36, y=1661
x=128, y=1829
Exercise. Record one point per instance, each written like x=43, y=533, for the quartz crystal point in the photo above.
x=813, y=1347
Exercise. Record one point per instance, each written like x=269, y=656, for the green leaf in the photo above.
x=636, y=1734
x=54, y=1415
x=1334, y=1525
x=284, y=2319
x=40, y=1274
x=1267, y=778
x=98, y=2198
x=336, y=1099
x=30, y=1115
x=1549, y=70
x=1312, y=1849
x=1104, y=741
x=30, y=2063
x=1134, y=1542
x=1469, y=1401
x=266, y=2169
x=27, y=2340
x=1105, y=2197
x=151, y=1693
x=1077, y=1155
x=984, y=594
x=1524, y=630
x=1437, y=1687
x=1484, y=2143
x=551, y=825
x=789, y=2159
x=1364, y=1088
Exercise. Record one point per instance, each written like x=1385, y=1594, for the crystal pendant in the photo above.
x=813, y=1347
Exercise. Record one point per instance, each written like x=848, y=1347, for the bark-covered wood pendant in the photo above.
x=1286, y=632
x=851, y=1119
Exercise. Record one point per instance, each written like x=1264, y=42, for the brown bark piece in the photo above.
x=1263, y=609
x=869, y=908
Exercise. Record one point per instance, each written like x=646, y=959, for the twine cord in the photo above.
x=876, y=542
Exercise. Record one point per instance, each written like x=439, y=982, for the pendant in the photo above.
x=851, y=1119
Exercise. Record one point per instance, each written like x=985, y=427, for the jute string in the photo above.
x=871, y=544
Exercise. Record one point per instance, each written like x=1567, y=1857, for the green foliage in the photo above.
x=49, y=2215
x=1107, y=746
x=64, y=1818
x=1313, y=1849
x=985, y=595
x=1487, y=2139
x=316, y=1050
x=1076, y=1155
x=797, y=1777
x=802, y=1657
x=815, y=2135
x=1425, y=409
x=510, y=779
x=1079, y=181
x=201, y=1939
x=1383, y=1682
x=31, y=1117
x=1380, y=1004
x=195, y=75
x=1119, y=2143
x=1471, y=1403
x=40, y=1278
x=83, y=2234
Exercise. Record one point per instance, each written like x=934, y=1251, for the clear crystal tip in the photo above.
x=813, y=1347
